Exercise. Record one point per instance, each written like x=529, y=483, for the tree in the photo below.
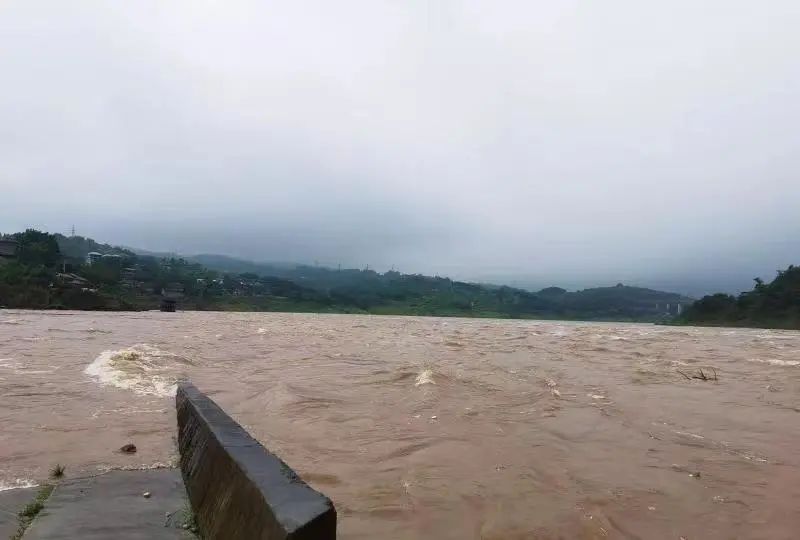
x=36, y=248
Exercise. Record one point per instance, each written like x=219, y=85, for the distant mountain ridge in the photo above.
x=52, y=271
x=225, y=263
x=619, y=302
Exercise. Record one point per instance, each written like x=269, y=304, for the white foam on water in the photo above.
x=687, y=434
x=775, y=361
x=560, y=331
x=143, y=369
x=9, y=363
x=424, y=377
x=22, y=369
x=19, y=483
x=776, y=334
x=140, y=467
x=261, y=331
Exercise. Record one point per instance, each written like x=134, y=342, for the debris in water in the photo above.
x=695, y=474
x=424, y=377
x=700, y=375
x=128, y=449
x=146, y=494
x=434, y=417
x=57, y=472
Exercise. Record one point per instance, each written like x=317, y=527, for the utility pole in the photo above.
x=73, y=230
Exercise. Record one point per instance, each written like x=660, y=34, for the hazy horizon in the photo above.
x=687, y=285
x=527, y=143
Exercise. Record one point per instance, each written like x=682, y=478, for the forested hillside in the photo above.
x=394, y=292
x=52, y=271
x=774, y=305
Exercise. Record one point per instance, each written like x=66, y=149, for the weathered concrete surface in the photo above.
x=111, y=506
x=11, y=502
x=237, y=488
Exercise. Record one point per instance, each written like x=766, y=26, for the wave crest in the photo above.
x=143, y=369
x=424, y=377
x=775, y=362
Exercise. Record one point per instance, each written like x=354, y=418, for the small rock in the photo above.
x=128, y=449
x=146, y=494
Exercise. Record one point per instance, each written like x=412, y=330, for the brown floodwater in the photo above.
x=434, y=428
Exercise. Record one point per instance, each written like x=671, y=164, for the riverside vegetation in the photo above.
x=50, y=271
x=768, y=305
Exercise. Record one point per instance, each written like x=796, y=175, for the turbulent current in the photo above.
x=434, y=428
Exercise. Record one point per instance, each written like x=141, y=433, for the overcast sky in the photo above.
x=572, y=142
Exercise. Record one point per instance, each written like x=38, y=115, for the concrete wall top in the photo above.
x=237, y=488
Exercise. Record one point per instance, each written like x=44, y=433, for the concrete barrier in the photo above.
x=237, y=488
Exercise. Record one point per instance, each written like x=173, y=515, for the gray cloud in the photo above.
x=539, y=142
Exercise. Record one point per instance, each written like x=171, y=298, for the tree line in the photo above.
x=771, y=305
x=51, y=271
